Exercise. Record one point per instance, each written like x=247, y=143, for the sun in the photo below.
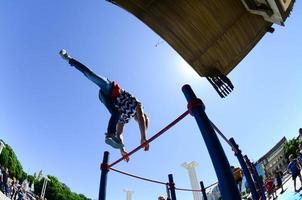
x=185, y=70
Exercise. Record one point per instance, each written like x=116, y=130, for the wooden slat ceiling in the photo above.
x=208, y=34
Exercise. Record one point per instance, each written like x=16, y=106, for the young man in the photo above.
x=294, y=169
x=121, y=104
x=238, y=174
x=278, y=178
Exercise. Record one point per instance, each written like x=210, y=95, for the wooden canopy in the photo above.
x=210, y=35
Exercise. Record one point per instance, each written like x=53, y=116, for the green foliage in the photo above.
x=31, y=179
x=58, y=191
x=55, y=189
x=291, y=147
x=8, y=159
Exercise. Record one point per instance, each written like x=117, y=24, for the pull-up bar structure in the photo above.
x=245, y=169
x=203, y=190
x=103, y=181
x=227, y=185
x=248, y=168
x=253, y=171
x=172, y=187
x=153, y=137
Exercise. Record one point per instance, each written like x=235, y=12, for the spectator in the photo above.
x=5, y=175
x=278, y=178
x=299, y=154
x=25, y=185
x=21, y=194
x=16, y=189
x=270, y=187
x=294, y=169
x=237, y=173
x=13, y=188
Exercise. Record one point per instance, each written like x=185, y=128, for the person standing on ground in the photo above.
x=278, y=178
x=299, y=155
x=1, y=179
x=294, y=169
x=270, y=187
x=238, y=175
x=5, y=182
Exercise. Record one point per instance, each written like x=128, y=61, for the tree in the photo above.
x=31, y=179
x=291, y=147
x=8, y=159
x=55, y=189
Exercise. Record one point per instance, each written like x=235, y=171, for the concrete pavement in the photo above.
x=290, y=194
x=3, y=197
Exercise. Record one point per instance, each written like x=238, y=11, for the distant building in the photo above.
x=274, y=158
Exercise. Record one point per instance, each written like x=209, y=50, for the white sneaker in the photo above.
x=63, y=53
x=113, y=141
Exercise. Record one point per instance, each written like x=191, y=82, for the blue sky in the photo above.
x=51, y=116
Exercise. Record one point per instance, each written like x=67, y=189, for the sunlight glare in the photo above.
x=185, y=70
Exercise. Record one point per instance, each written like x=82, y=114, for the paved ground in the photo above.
x=290, y=193
x=3, y=197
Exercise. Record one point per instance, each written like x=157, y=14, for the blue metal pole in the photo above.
x=260, y=184
x=103, y=181
x=168, y=192
x=256, y=177
x=203, y=190
x=245, y=169
x=227, y=185
x=172, y=187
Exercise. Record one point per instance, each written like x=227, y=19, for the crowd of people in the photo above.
x=13, y=189
x=273, y=182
